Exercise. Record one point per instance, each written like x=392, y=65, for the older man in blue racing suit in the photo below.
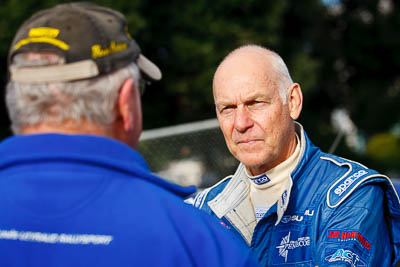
x=291, y=203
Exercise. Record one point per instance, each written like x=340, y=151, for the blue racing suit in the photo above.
x=75, y=200
x=336, y=213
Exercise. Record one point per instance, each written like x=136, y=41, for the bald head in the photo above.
x=273, y=68
x=256, y=104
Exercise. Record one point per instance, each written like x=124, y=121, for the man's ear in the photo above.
x=295, y=100
x=125, y=103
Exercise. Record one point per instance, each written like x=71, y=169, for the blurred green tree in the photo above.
x=343, y=53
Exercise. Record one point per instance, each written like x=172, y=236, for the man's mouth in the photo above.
x=248, y=141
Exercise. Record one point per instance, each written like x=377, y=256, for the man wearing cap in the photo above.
x=73, y=191
x=291, y=203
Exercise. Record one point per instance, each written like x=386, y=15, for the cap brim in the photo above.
x=148, y=67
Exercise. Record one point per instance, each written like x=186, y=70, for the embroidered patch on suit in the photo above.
x=292, y=247
x=344, y=236
x=344, y=255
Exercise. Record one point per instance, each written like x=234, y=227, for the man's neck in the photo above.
x=67, y=127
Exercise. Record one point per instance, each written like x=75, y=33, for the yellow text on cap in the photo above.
x=43, y=35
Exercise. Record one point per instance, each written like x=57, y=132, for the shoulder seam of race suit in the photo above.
x=355, y=162
x=350, y=184
x=199, y=199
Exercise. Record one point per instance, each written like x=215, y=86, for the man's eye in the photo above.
x=227, y=109
x=256, y=104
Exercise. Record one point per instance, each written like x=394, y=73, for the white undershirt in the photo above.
x=265, y=195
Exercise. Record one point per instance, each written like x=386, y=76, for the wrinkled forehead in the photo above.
x=246, y=67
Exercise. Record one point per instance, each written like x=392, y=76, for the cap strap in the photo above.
x=55, y=73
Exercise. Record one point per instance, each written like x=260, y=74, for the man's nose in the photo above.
x=243, y=120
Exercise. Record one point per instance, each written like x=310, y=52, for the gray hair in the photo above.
x=283, y=79
x=93, y=100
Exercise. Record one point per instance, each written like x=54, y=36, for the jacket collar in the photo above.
x=80, y=150
x=233, y=201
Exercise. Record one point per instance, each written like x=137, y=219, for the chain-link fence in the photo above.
x=188, y=154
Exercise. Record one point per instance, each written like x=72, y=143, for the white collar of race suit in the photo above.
x=235, y=197
x=267, y=188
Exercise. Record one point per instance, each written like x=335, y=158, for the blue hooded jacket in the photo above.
x=91, y=201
